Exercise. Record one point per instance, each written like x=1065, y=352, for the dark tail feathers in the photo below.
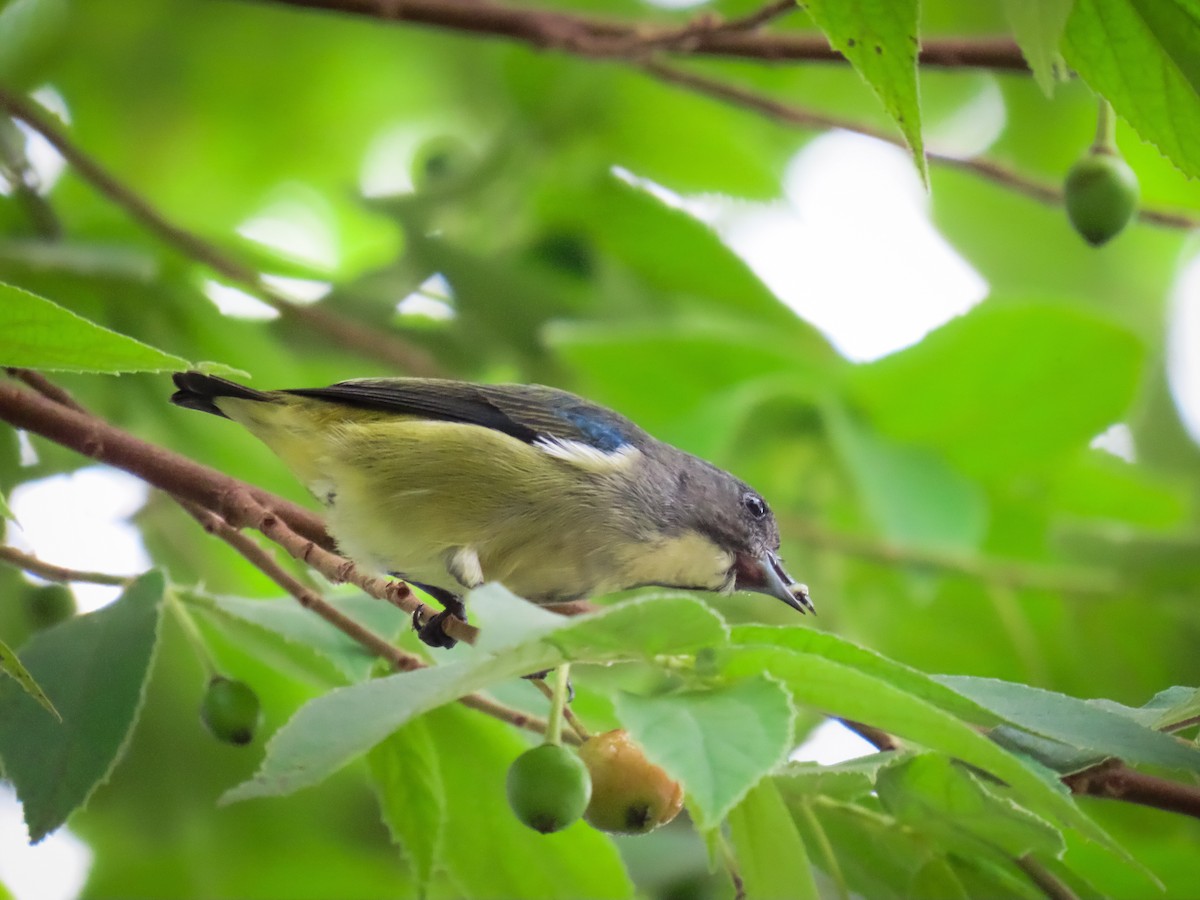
x=197, y=391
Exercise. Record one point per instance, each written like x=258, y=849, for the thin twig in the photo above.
x=360, y=338
x=608, y=38
x=877, y=737
x=744, y=98
x=1116, y=781
x=1051, y=886
x=49, y=571
x=572, y=720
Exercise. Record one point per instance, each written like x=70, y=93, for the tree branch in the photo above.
x=381, y=345
x=1116, y=781
x=51, y=572
x=743, y=98
x=706, y=35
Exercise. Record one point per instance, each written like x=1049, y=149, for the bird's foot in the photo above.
x=432, y=631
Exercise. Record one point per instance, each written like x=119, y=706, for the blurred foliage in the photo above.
x=944, y=503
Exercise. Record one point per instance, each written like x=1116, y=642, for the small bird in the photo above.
x=449, y=484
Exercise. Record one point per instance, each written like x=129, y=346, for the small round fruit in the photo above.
x=630, y=795
x=548, y=788
x=230, y=710
x=440, y=162
x=48, y=604
x=1101, y=193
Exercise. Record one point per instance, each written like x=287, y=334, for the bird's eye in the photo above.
x=755, y=506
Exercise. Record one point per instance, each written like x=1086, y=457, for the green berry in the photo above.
x=1102, y=194
x=230, y=710
x=48, y=604
x=548, y=788
x=440, y=162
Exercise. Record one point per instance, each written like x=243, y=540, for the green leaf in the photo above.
x=845, y=780
x=5, y=512
x=38, y=334
x=915, y=498
x=939, y=797
x=836, y=649
x=1029, y=383
x=11, y=664
x=842, y=691
x=1143, y=57
x=1077, y=723
x=718, y=743
x=772, y=859
x=879, y=38
x=296, y=625
x=410, y=785
x=1038, y=26
x=94, y=667
x=30, y=30
x=341, y=725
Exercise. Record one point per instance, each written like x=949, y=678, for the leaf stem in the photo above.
x=192, y=632
x=558, y=702
x=1106, y=130
x=826, y=849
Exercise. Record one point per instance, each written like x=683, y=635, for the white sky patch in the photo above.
x=80, y=521
x=831, y=742
x=1183, y=346
x=974, y=126
x=55, y=869
x=1118, y=440
x=297, y=223
x=433, y=300
x=299, y=290
x=235, y=302
x=43, y=159
x=852, y=249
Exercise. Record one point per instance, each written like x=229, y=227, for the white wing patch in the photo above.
x=464, y=565
x=586, y=456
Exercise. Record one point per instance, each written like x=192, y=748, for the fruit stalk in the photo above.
x=558, y=703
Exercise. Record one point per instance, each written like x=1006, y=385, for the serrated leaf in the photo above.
x=840, y=650
x=1004, y=356
x=1143, y=57
x=410, y=785
x=1077, y=723
x=717, y=743
x=38, y=334
x=772, y=859
x=879, y=38
x=11, y=664
x=341, y=725
x=1038, y=26
x=842, y=691
x=94, y=668
x=307, y=632
x=845, y=780
x=941, y=798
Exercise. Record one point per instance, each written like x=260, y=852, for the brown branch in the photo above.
x=607, y=38
x=743, y=98
x=51, y=572
x=876, y=737
x=1116, y=781
x=381, y=345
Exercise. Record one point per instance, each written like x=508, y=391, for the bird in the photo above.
x=451, y=484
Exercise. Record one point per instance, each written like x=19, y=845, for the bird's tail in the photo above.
x=198, y=391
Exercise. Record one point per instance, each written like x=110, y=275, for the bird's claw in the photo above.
x=432, y=631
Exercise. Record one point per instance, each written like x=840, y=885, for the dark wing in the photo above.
x=528, y=413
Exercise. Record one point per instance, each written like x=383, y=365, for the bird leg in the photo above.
x=432, y=632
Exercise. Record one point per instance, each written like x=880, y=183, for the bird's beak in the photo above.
x=765, y=575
